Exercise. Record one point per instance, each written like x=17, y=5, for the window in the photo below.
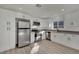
x=55, y=25
x=61, y=24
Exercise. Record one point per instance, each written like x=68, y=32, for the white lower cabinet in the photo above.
x=57, y=37
x=75, y=41
x=71, y=28
x=66, y=39
x=32, y=37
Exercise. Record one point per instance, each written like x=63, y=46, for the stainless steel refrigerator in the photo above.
x=23, y=33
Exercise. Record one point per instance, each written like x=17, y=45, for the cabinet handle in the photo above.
x=8, y=23
x=54, y=35
x=68, y=38
x=8, y=28
x=71, y=23
x=73, y=36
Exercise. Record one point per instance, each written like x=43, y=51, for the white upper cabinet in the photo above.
x=71, y=21
x=75, y=19
x=67, y=20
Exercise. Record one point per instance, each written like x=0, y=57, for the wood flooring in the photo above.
x=42, y=47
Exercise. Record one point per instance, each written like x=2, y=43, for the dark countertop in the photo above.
x=67, y=31
x=58, y=30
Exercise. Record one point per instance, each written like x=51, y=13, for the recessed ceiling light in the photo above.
x=20, y=8
x=62, y=9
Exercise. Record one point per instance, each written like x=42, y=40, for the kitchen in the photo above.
x=59, y=26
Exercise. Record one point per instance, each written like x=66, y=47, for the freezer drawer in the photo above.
x=23, y=24
x=23, y=37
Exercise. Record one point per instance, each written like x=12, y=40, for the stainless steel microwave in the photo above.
x=36, y=23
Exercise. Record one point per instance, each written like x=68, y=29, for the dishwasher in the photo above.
x=48, y=36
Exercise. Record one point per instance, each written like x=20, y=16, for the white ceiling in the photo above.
x=47, y=10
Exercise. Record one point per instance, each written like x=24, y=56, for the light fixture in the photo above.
x=62, y=9
x=38, y=5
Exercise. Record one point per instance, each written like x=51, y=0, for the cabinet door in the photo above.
x=64, y=39
x=75, y=18
x=4, y=33
x=57, y=37
x=72, y=40
x=67, y=20
x=68, y=40
x=75, y=41
x=52, y=36
x=32, y=37
x=44, y=24
x=72, y=21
